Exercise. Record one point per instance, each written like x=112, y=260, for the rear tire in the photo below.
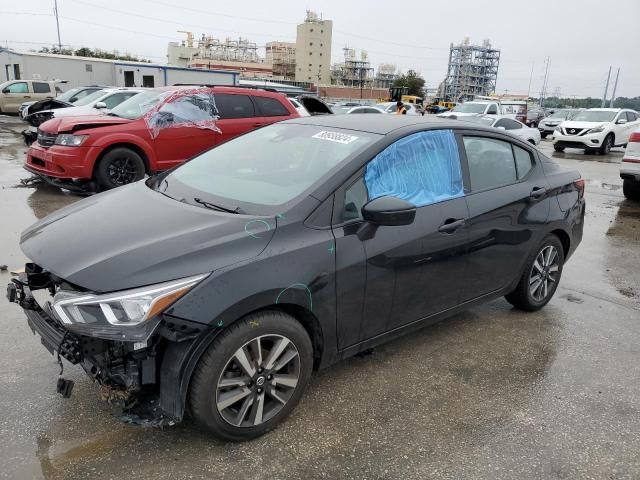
x=237, y=366
x=631, y=189
x=541, y=276
x=558, y=149
x=118, y=167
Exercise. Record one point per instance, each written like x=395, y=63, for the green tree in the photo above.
x=413, y=81
x=92, y=53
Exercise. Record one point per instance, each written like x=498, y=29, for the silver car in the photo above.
x=548, y=124
x=505, y=122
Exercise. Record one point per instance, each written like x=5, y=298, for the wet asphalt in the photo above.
x=492, y=393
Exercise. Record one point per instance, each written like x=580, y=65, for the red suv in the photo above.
x=152, y=131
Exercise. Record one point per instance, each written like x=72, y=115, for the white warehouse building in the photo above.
x=79, y=71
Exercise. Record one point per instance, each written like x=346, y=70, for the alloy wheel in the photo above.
x=122, y=171
x=258, y=381
x=544, y=273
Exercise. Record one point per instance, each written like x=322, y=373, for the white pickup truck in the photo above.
x=474, y=107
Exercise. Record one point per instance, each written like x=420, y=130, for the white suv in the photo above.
x=596, y=129
x=630, y=168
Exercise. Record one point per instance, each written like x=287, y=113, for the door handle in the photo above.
x=27, y=96
x=538, y=192
x=451, y=225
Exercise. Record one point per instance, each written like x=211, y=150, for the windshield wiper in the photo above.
x=220, y=208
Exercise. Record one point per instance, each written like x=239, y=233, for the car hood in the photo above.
x=557, y=121
x=570, y=124
x=456, y=114
x=134, y=236
x=72, y=111
x=80, y=122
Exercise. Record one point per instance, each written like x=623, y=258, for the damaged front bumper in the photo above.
x=126, y=371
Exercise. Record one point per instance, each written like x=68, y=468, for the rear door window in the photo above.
x=491, y=163
x=234, y=106
x=524, y=161
x=270, y=107
x=41, y=87
x=508, y=124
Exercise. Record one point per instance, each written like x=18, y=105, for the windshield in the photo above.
x=481, y=120
x=470, y=108
x=559, y=114
x=594, y=116
x=267, y=167
x=64, y=97
x=138, y=105
x=90, y=98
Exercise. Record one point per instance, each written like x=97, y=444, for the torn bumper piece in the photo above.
x=125, y=372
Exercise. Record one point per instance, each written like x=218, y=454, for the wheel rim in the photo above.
x=544, y=273
x=122, y=171
x=607, y=144
x=258, y=381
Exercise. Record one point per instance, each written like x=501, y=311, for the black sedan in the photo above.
x=216, y=288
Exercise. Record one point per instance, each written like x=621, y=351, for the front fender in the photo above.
x=109, y=140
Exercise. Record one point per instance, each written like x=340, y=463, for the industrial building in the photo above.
x=282, y=57
x=239, y=55
x=78, y=71
x=472, y=71
x=313, y=49
x=352, y=72
x=385, y=76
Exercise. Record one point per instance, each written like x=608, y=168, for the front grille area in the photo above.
x=46, y=139
x=573, y=131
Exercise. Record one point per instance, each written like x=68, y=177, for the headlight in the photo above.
x=596, y=130
x=125, y=315
x=557, y=129
x=69, y=140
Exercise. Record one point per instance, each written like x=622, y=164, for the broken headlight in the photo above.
x=69, y=140
x=127, y=315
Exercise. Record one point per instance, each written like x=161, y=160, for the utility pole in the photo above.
x=606, y=87
x=531, y=77
x=55, y=8
x=544, y=84
x=615, y=86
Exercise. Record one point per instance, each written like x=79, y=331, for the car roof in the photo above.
x=380, y=124
x=604, y=109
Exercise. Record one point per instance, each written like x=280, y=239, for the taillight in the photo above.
x=635, y=137
x=580, y=186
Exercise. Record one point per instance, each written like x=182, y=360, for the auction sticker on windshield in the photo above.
x=335, y=137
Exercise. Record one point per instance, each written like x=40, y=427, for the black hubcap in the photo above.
x=122, y=171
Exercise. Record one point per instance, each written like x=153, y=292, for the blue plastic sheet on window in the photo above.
x=422, y=168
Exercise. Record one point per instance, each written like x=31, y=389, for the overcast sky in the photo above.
x=582, y=38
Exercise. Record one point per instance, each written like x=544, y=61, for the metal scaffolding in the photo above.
x=473, y=71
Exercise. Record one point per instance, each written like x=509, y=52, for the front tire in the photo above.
x=605, y=148
x=541, y=276
x=631, y=189
x=118, y=167
x=252, y=376
x=558, y=149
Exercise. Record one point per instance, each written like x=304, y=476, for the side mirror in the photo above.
x=6, y=90
x=389, y=211
x=621, y=121
x=100, y=105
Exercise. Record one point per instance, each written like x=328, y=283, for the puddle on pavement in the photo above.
x=614, y=156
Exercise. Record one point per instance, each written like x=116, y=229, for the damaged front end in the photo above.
x=119, y=339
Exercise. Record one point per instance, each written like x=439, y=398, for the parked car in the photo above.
x=299, y=108
x=311, y=105
x=15, y=92
x=534, y=116
x=596, y=129
x=148, y=133
x=392, y=107
x=365, y=109
x=216, y=288
x=548, y=124
x=630, y=168
x=436, y=109
x=476, y=107
x=64, y=100
x=95, y=103
x=531, y=135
